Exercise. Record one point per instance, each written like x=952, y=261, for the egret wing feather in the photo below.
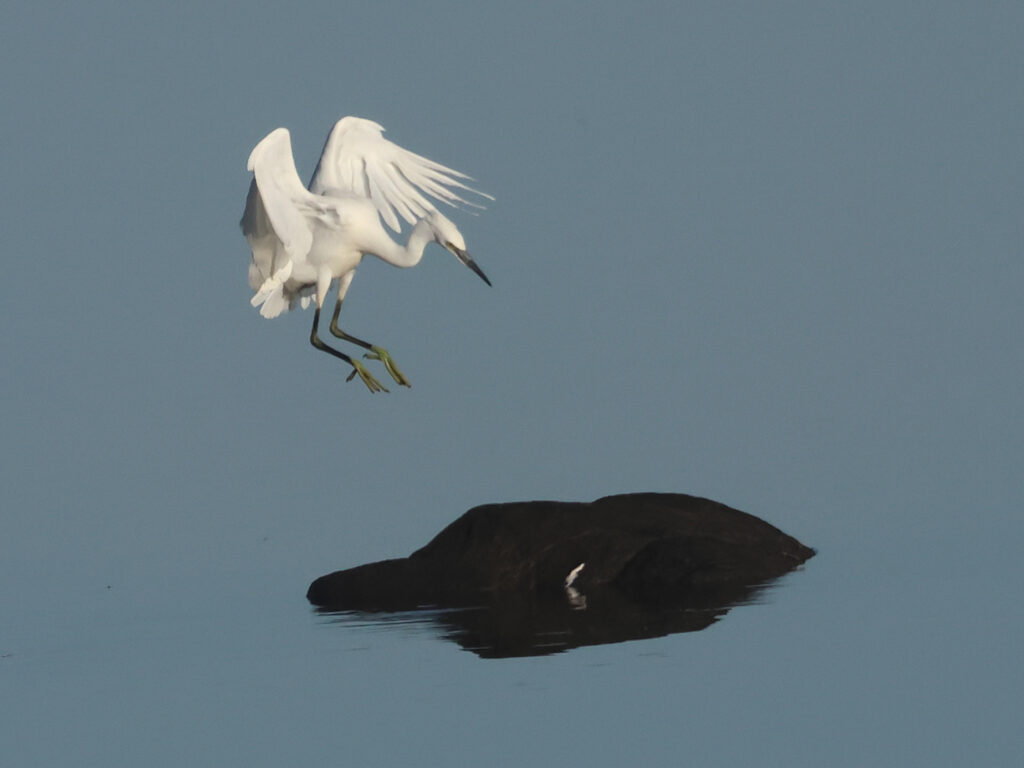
x=281, y=191
x=277, y=222
x=267, y=250
x=358, y=159
x=271, y=297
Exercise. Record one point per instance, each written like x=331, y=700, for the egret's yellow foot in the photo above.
x=371, y=383
x=379, y=353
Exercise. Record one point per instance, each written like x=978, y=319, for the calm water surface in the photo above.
x=873, y=653
x=767, y=254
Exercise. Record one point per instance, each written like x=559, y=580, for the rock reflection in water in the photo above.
x=544, y=626
x=533, y=578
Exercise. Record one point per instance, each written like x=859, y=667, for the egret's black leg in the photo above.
x=372, y=384
x=341, y=334
x=376, y=353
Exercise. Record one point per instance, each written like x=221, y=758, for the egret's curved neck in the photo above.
x=409, y=255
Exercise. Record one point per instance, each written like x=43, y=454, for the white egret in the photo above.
x=304, y=239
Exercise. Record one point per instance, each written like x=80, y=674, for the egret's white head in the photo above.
x=447, y=235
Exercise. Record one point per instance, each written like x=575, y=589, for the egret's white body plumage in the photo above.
x=304, y=239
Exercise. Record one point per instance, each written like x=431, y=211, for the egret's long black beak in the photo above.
x=466, y=259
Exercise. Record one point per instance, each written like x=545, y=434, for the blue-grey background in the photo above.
x=768, y=253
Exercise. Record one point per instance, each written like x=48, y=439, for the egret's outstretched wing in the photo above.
x=358, y=159
x=280, y=195
x=266, y=248
x=278, y=220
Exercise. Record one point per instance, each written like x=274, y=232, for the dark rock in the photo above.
x=649, y=549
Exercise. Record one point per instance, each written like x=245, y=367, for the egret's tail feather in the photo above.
x=270, y=297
